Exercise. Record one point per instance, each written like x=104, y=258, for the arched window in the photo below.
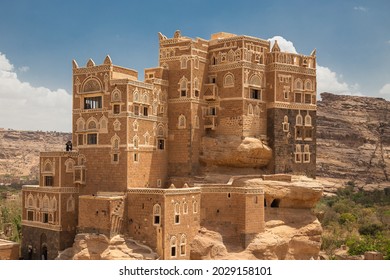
x=307, y=120
x=238, y=55
x=182, y=122
x=116, y=95
x=135, y=142
x=183, y=245
x=30, y=201
x=250, y=110
x=156, y=214
x=177, y=213
x=80, y=124
x=183, y=62
x=255, y=80
x=183, y=87
x=228, y=80
x=298, y=84
x=308, y=85
x=69, y=164
x=195, y=206
x=92, y=85
x=298, y=153
x=147, y=138
x=299, y=120
x=115, y=142
x=230, y=56
x=103, y=124
x=92, y=125
x=70, y=204
x=185, y=207
x=173, y=246
x=160, y=131
x=136, y=96
x=196, y=87
x=48, y=167
x=135, y=125
x=306, y=153
x=286, y=125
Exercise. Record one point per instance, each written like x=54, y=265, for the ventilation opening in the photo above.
x=275, y=203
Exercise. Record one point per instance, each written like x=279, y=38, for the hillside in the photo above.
x=19, y=152
x=353, y=138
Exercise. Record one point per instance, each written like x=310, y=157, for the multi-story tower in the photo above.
x=132, y=139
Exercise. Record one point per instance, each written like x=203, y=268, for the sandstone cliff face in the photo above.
x=353, y=138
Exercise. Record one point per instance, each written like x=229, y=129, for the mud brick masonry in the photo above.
x=142, y=149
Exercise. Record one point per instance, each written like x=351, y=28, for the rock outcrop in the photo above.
x=233, y=151
x=99, y=247
x=292, y=231
x=353, y=138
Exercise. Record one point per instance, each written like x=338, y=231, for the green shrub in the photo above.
x=371, y=229
x=347, y=218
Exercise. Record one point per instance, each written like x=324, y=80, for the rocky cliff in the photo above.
x=353, y=138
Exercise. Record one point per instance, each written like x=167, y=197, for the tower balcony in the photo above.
x=210, y=122
x=210, y=92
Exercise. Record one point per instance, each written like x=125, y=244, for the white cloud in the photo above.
x=385, y=91
x=23, y=106
x=285, y=45
x=327, y=80
x=360, y=8
x=23, y=69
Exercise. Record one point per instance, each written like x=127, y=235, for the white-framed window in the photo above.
x=306, y=154
x=156, y=215
x=177, y=214
x=250, y=110
x=182, y=122
x=298, y=153
x=228, y=80
x=195, y=206
x=183, y=245
x=183, y=62
x=173, y=243
x=183, y=87
x=286, y=124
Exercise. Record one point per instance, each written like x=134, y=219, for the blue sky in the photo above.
x=39, y=39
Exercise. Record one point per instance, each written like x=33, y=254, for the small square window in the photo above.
x=161, y=144
x=183, y=93
x=92, y=139
x=115, y=157
x=116, y=109
x=255, y=93
x=48, y=181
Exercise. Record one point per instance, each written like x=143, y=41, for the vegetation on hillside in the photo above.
x=10, y=211
x=356, y=218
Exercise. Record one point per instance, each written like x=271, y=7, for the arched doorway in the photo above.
x=43, y=252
